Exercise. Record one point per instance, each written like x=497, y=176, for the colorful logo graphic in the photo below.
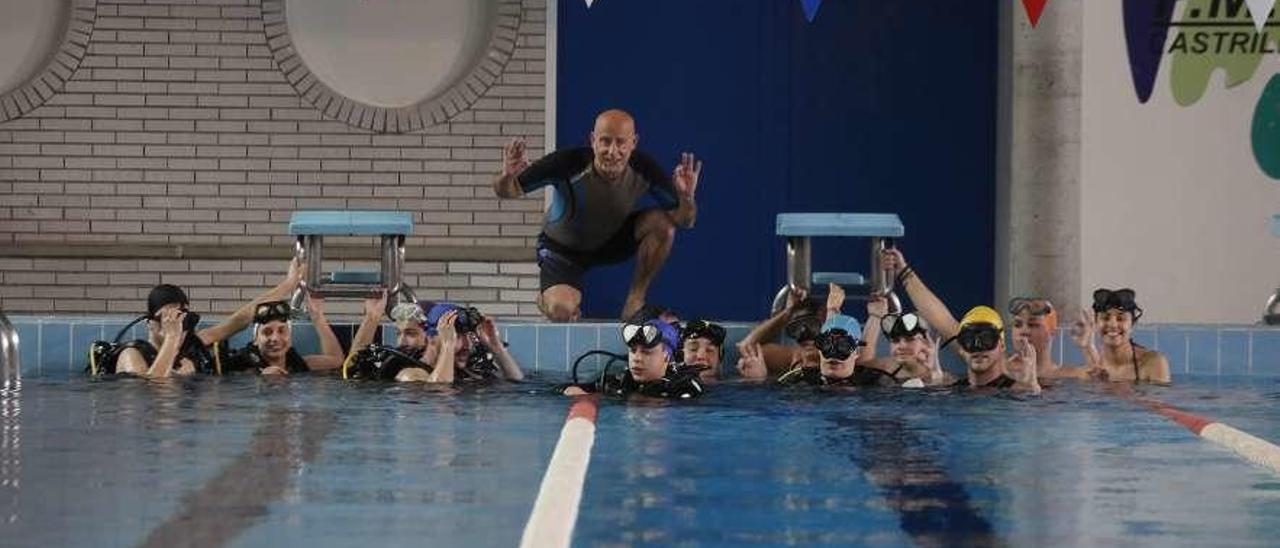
x=1205, y=36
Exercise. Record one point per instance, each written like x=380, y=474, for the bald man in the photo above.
x=610, y=202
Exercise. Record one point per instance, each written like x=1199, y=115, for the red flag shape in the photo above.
x=1034, y=9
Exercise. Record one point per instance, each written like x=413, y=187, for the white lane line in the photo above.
x=555, y=512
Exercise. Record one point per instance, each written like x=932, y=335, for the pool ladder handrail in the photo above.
x=9, y=364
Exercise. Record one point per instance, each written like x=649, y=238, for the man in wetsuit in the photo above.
x=610, y=202
x=979, y=335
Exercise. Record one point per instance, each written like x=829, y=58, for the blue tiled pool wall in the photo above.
x=57, y=345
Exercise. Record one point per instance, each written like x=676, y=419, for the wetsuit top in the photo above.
x=481, y=366
x=194, y=350
x=107, y=355
x=1003, y=381
x=374, y=363
x=862, y=376
x=250, y=358
x=586, y=209
x=871, y=376
x=679, y=383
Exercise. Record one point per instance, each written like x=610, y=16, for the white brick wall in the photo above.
x=178, y=129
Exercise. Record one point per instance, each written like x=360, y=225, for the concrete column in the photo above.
x=1038, y=153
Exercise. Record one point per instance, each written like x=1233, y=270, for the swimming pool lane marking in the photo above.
x=555, y=512
x=239, y=496
x=1252, y=448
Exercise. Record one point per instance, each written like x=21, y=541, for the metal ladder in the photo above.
x=10, y=367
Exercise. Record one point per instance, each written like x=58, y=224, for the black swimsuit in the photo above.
x=678, y=383
x=1003, y=381
x=862, y=376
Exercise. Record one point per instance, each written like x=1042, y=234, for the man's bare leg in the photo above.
x=561, y=303
x=655, y=234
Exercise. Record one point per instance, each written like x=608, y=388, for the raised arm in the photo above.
x=1082, y=331
x=442, y=370
x=927, y=304
x=488, y=334
x=877, y=307
x=1022, y=365
x=171, y=324
x=373, y=308
x=243, y=316
x=331, y=350
x=507, y=184
x=685, y=179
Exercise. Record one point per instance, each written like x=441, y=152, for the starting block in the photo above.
x=310, y=228
x=799, y=228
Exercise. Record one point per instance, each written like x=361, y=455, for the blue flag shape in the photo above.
x=810, y=8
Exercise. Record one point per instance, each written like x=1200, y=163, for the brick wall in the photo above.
x=178, y=141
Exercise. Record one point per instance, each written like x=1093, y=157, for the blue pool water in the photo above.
x=315, y=461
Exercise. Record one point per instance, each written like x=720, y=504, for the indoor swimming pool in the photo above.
x=313, y=460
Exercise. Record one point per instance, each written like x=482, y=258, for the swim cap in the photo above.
x=670, y=335
x=846, y=323
x=165, y=294
x=982, y=314
x=434, y=314
x=703, y=328
x=414, y=313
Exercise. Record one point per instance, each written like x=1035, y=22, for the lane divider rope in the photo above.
x=1252, y=448
x=555, y=511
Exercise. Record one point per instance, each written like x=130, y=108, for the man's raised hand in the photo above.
x=686, y=175
x=513, y=158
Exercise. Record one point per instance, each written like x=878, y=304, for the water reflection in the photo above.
x=286, y=440
x=10, y=450
x=932, y=508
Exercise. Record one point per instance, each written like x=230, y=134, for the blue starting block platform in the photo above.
x=350, y=223
x=311, y=227
x=799, y=228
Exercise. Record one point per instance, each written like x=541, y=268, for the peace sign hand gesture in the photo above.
x=686, y=175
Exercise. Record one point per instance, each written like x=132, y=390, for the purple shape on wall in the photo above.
x=1146, y=26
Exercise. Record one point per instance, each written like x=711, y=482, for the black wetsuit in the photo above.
x=250, y=358
x=1003, y=381
x=591, y=220
x=193, y=349
x=374, y=362
x=678, y=383
x=481, y=367
x=862, y=376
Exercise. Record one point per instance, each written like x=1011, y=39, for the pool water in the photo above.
x=316, y=461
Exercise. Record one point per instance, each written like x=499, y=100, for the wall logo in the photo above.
x=1208, y=34
x=1205, y=36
